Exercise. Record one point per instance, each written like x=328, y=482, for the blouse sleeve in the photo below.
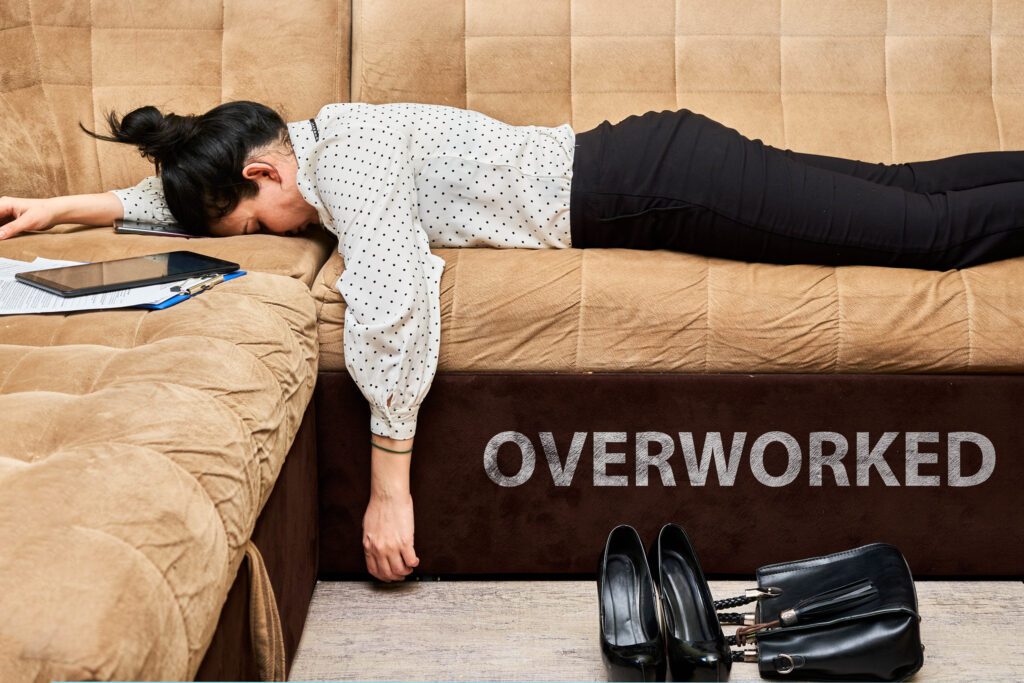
x=391, y=282
x=145, y=202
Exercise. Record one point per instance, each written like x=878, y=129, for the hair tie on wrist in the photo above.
x=374, y=443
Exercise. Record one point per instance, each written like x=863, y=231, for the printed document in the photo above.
x=18, y=298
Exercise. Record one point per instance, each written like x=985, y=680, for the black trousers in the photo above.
x=680, y=181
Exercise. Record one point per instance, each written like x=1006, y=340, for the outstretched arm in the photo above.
x=18, y=215
x=144, y=201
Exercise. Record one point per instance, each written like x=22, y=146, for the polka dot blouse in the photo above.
x=392, y=181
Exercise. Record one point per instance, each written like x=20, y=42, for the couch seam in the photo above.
x=970, y=320
x=707, y=314
x=541, y=35
x=156, y=28
x=39, y=84
x=767, y=35
x=453, y=327
x=356, y=54
x=839, y=321
x=992, y=72
x=46, y=97
x=579, y=320
x=92, y=91
x=223, y=30
x=572, y=90
x=675, y=55
x=465, y=54
x=885, y=76
x=337, y=58
x=782, y=86
x=10, y=373
x=138, y=326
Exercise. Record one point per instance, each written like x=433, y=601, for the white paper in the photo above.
x=18, y=298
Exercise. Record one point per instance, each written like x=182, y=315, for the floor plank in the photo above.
x=547, y=631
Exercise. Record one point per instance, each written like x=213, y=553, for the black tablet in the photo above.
x=139, y=271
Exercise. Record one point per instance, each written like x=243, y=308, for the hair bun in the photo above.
x=157, y=136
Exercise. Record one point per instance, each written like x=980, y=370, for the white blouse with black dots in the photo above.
x=392, y=181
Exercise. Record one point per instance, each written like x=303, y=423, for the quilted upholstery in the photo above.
x=138, y=448
x=614, y=310
x=888, y=81
x=69, y=61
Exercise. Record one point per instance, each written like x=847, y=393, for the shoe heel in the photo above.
x=695, y=644
x=632, y=645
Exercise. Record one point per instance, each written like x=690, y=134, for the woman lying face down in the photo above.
x=231, y=171
x=392, y=181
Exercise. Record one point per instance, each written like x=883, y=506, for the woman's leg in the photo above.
x=677, y=180
x=962, y=172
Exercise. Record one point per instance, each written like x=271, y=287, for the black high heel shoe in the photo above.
x=632, y=646
x=697, y=649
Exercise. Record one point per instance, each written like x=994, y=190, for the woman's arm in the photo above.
x=18, y=214
x=391, y=285
x=388, y=523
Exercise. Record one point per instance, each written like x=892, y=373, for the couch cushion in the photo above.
x=878, y=81
x=611, y=310
x=138, y=449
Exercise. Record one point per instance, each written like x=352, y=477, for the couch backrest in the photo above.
x=65, y=61
x=875, y=79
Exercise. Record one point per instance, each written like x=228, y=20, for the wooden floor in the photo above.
x=547, y=631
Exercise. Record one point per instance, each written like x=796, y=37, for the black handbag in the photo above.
x=850, y=616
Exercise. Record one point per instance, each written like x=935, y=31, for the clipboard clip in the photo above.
x=204, y=285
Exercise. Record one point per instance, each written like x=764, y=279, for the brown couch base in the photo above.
x=917, y=453
x=286, y=535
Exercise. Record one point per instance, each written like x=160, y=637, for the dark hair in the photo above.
x=200, y=158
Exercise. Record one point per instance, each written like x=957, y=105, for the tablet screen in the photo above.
x=91, y=278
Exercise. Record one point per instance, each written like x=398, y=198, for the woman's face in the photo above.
x=278, y=208
x=266, y=213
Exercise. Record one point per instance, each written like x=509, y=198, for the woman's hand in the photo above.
x=388, y=538
x=18, y=215
x=388, y=526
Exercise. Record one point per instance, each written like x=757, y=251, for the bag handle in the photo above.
x=813, y=608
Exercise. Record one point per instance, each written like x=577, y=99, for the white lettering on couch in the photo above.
x=774, y=459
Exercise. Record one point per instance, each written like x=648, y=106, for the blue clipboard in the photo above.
x=202, y=287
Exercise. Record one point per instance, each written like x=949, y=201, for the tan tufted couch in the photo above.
x=157, y=472
x=774, y=411
x=139, y=449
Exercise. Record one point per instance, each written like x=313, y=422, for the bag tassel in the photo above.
x=814, y=608
x=825, y=604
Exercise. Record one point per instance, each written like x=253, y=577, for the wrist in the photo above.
x=389, y=472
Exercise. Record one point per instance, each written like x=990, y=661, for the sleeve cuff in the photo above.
x=144, y=202
x=393, y=425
